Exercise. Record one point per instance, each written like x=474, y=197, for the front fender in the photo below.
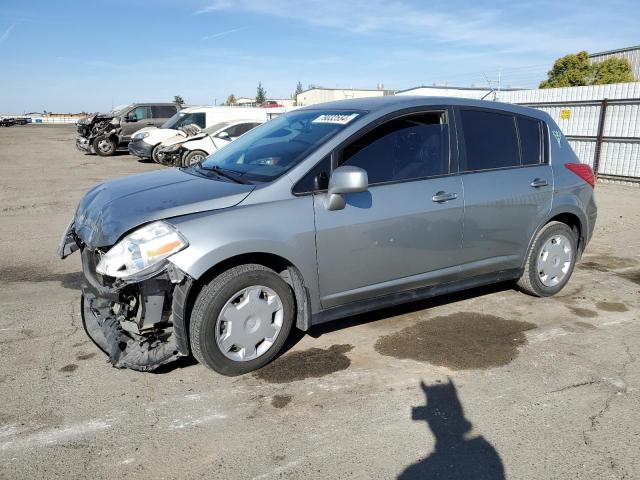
x=283, y=228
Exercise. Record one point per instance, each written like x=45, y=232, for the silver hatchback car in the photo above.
x=325, y=212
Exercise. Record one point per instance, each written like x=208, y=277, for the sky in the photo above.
x=71, y=56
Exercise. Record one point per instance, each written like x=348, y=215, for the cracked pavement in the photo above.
x=548, y=387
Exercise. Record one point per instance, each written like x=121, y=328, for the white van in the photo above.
x=145, y=142
x=183, y=150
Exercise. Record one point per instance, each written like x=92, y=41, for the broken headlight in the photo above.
x=142, y=251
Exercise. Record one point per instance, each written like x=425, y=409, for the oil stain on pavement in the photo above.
x=280, y=401
x=465, y=340
x=311, y=363
x=611, y=306
x=31, y=274
x=583, y=312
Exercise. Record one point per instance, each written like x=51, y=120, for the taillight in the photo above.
x=584, y=171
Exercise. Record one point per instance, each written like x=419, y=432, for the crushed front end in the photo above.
x=94, y=126
x=137, y=322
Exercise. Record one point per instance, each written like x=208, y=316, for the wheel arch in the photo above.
x=186, y=293
x=569, y=215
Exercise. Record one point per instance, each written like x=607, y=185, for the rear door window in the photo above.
x=163, y=111
x=490, y=141
x=530, y=133
x=405, y=148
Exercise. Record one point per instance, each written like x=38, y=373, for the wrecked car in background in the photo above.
x=146, y=142
x=104, y=133
x=187, y=148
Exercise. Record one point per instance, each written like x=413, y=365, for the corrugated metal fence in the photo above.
x=602, y=123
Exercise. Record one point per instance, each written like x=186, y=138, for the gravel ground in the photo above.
x=488, y=383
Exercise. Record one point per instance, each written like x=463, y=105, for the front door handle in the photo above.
x=441, y=197
x=538, y=182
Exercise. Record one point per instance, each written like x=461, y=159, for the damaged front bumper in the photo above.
x=138, y=324
x=83, y=144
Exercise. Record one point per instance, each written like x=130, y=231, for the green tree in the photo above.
x=178, y=100
x=298, y=91
x=613, y=70
x=231, y=100
x=572, y=70
x=261, y=94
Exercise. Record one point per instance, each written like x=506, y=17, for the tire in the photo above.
x=536, y=279
x=104, y=146
x=154, y=153
x=207, y=327
x=193, y=157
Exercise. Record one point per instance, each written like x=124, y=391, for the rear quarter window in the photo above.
x=490, y=140
x=530, y=133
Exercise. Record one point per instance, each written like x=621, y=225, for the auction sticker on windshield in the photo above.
x=339, y=118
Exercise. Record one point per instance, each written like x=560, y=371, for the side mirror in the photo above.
x=131, y=117
x=343, y=180
x=224, y=136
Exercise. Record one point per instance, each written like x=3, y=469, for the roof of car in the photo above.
x=391, y=102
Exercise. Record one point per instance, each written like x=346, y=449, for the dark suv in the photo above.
x=103, y=133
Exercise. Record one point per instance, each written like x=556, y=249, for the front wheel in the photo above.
x=192, y=157
x=241, y=319
x=550, y=260
x=154, y=154
x=104, y=146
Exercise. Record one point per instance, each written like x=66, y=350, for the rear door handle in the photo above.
x=441, y=197
x=538, y=182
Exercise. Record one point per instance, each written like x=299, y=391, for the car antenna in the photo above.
x=491, y=90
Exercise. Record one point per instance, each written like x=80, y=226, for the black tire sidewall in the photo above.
x=154, y=151
x=210, y=308
x=558, y=228
x=187, y=157
x=97, y=150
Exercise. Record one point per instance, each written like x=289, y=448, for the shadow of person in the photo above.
x=455, y=456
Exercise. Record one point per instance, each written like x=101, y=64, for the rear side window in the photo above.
x=406, y=148
x=163, y=111
x=490, y=140
x=530, y=132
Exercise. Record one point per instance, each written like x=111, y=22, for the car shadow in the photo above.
x=456, y=456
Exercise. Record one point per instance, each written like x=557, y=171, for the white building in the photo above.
x=630, y=53
x=457, y=92
x=321, y=95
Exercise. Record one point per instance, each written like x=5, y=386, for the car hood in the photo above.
x=180, y=137
x=113, y=208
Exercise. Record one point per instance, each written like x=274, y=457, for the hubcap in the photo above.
x=196, y=158
x=105, y=146
x=554, y=260
x=249, y=323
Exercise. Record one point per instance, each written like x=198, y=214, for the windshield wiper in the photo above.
x=224, y=173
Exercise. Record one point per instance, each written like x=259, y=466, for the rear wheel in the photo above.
x=192, y=157
x=241, y=319
x=550, y=261
x=104, y=146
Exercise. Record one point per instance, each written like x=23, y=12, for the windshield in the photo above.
x=216, y=127
x=121, y=110
x=183, y=119
x=268, y=151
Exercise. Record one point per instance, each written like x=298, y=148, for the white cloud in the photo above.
x=6, y=33
x=474, y=26
x=221, y=34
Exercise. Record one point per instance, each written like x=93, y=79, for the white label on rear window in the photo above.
x=338, y=118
